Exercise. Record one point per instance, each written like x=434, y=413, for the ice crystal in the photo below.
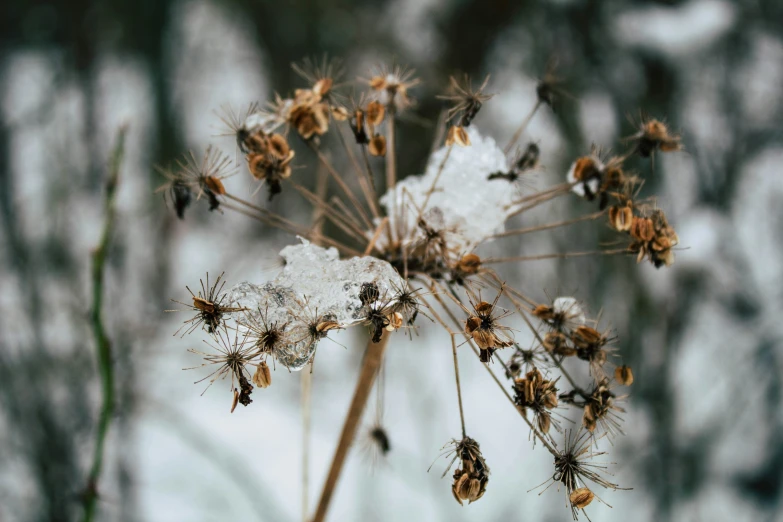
x=314, y=283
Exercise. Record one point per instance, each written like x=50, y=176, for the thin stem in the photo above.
x=341, y=183
x=616, y=251
x=372, y=363
x=435, y=181
x=543, y=439
x=391, y=166
x=297, y=230
x=102, y=341
x=459, y=388
x=549, y=226
x=541, y=198
x=522, y=128
x=366, y=181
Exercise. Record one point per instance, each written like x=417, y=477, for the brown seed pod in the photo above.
x=621, y=218
x=377, y=145
x=374, y=113
x=623, y=375
x=457, y=135
x=215, y=185
x=469, y=264
x=642, y=229
x=263, y=376
x=581, y=497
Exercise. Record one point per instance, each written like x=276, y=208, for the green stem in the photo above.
x=102, y=342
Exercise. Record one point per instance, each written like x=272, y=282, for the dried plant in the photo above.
x=413, y=252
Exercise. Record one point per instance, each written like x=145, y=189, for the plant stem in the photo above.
x=102, y=342
x=372, y=363
x=522, y=128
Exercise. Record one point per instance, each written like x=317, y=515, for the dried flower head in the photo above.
x=654, y=135
x=574, y=467
x=466, y=101
x=231, y=358
x=537, y=394
x=390, y=86
x=586, y=176
x=483, y=325
x=565, y=314
x=323, y=76
x=210, y=305
x=601, y=409
x=239, y=124
x=472, y=475
x=202, y=178
x=270, y=161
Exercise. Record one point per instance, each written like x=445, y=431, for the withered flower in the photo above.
x=468, y=265
x=601, y=409
x=390, y=86
x=557, y=343
x=466, y=101
x=209, y=305
x=271, y=161
x=586, y=176
x=537, y=394
x=525, y=360
x=406, y=302
x=653, y=238
x=232, y=357
x=654, y=135
x=309, y=115
x=471, y=477
x=591, y=346
x=564, y=315
x=322, y=75
x=483, y=327
x=202, y=178
x=573, y=468
x=266, y=335
x=236, y=123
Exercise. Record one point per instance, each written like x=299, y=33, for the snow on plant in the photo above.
x=415, y=252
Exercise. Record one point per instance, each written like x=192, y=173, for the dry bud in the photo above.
x=378, y=145
x=623, y=375
x=263, y=376
x=621, y=218
x=457, y=135
x=581, y=497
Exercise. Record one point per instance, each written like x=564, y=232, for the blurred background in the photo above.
x=704, y=439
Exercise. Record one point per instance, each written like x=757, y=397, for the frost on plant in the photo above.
x=314, y=282
x=456, y=193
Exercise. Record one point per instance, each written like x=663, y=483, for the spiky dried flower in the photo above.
x=469, y=481
x=484, y=328
x=539, y=395
x=231, y=358
x=574, y=468
x=203, y=178
x=654, y=135
x=210, y=305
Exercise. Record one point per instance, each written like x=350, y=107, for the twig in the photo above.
x=372, y=363
x=102, y=342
